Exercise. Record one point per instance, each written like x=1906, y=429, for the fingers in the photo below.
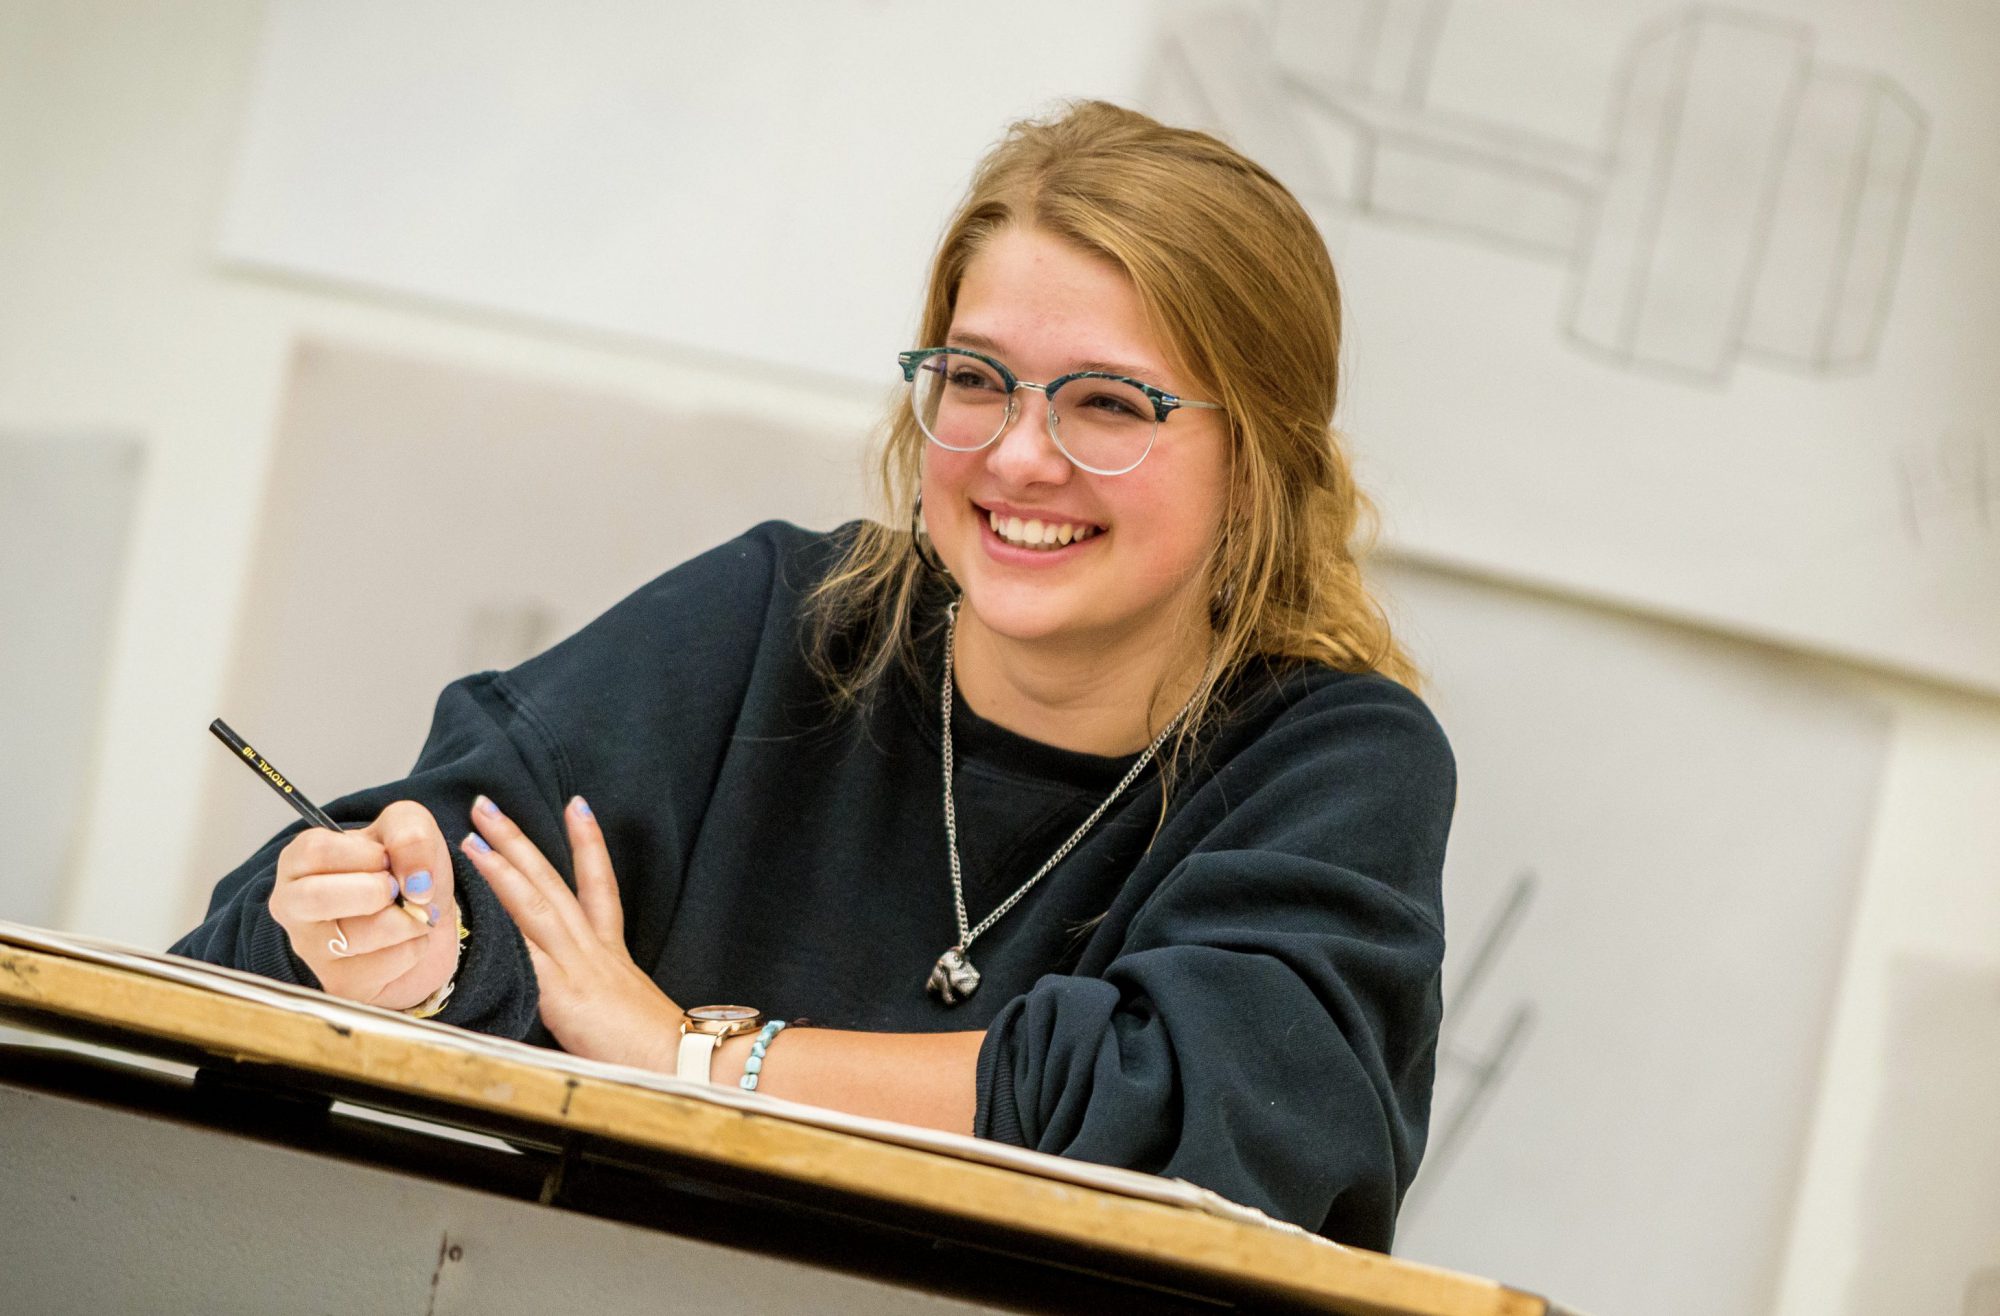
x=539, y=961
x=596, y=883
x=405, y=973
x=322, y=897
x=417, y=852
x=356, y=957
x=369, y=976
x=501, y=849
x=341, y=889
x=317, y=850
x=379, y=931
x=535, y=912
x=406, y=982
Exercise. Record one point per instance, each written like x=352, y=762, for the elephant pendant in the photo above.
x=953, y=979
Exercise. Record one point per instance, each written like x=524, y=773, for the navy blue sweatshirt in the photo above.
x=1245, y=995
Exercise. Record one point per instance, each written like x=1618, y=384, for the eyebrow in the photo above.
x=985, y=344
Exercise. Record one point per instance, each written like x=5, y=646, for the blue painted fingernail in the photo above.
x=478, y=842
x=484, y=805
x=432, y=912
x=417, y=883
x=583, y=808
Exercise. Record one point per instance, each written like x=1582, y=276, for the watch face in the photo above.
x=722, y=1014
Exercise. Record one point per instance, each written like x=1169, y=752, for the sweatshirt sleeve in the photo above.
x=475, y=746
x=1268, y=1026
x=633, y=711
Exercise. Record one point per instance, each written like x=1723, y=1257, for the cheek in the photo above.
x=946, y=475
x=947, y=478
x=1176, y=514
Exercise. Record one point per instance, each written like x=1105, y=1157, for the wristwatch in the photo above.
x=703, y=1029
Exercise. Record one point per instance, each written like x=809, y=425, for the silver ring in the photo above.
x=338, y=945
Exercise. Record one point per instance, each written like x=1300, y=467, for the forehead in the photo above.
x=1046, y=306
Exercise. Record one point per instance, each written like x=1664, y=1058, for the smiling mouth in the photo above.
x=1043, y=535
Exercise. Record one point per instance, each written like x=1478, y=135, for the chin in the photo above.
x=1020, y=614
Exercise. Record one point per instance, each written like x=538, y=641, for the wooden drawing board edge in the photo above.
x=1299, y=1269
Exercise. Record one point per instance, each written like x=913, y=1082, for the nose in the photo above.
x=1026, y=453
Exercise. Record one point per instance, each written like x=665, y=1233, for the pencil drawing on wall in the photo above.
x=1747, y=202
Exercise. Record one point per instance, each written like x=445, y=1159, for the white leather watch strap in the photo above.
x=697, y=1055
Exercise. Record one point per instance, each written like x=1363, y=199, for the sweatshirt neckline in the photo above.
x=978, y=741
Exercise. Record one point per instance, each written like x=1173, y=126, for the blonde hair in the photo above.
x=1236, y=280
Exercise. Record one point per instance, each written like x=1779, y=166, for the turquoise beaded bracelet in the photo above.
x=755, y=1064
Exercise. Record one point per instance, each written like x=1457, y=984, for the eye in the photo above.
x=970, y=377
x=967, y=377
x=1109, y=405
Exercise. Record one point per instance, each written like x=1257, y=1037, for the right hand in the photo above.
x=354, y=877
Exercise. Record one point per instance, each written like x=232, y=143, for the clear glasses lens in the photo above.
x=1104, y=426
x=960, y=401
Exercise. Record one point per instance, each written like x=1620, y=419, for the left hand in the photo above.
x=595, y=1000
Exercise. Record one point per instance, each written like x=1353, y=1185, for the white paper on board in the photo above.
x=1680, y=306
x=1658, y=843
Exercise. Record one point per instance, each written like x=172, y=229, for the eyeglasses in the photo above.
x=1104, y=423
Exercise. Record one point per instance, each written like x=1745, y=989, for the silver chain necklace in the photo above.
x=953, y=978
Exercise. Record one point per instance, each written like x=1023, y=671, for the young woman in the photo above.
x=1083, y=805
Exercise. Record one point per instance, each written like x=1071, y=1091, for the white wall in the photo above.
x=122, y=120
x=1900, y=1199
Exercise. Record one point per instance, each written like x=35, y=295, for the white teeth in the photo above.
x=1037, y=533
